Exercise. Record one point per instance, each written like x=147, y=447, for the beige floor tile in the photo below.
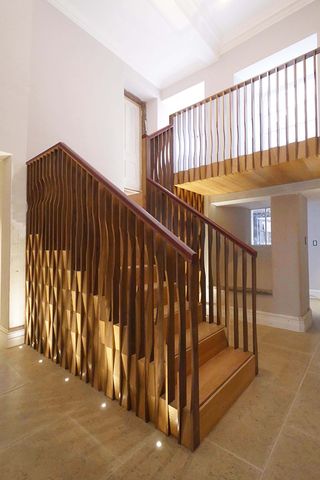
x=283, y=367
x=315, y=362
x=9, y=378
x=35, y=405
x=305, y=414
x=176, y=463
x=306, y=342
x=251, y=426
x=65, y=452
x=296, y=457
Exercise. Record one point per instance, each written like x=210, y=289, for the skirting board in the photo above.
x=287, y=322
x=12, y=338
x=278, y=320
x=314, y=294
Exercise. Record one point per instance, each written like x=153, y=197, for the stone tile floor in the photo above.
x=51, y=429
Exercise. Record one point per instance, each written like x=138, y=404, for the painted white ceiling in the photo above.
x=166, y=40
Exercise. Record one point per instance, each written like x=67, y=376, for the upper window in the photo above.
x=261, y=226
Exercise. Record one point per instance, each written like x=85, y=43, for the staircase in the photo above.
x=153, y=306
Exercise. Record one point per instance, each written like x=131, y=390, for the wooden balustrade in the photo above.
x=226, y=266
x=108, y=288
x=270, y=119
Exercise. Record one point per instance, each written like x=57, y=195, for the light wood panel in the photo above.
x=295, y=170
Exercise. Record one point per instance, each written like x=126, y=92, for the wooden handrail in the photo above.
x=175, y=242
x=205, y=219
x=246, y=82
x=159, y=132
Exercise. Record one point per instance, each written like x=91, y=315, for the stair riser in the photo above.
x=208, y=348
x=216, y=406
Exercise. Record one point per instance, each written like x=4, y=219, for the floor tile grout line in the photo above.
x=292, y=349
x=300, y=430
x=288, y=413
x=236, y=456
x=13, y=389
x=31, y=434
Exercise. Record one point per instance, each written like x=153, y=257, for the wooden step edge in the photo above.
x=213, y=409
x=204, y=339
x=213, y=392
x=216, y=405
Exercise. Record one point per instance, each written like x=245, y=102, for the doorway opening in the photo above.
x=134, y=129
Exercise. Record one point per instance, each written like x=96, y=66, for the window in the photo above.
x=261, y=226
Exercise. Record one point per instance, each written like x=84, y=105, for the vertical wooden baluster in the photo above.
x=184, y=127
x=287, y=111
x=254, y=311
x=200, y=136
x=206, y=139
x=194, y=404
x=159, y=347
x=235, y=297
x=306, y=136
x=190, y=149
x=253, y=122
x=224, y=153
x=269, y=119
x=211, y=106
x=317, y=133
x=194, y=153
x=238, y=127
x=203, y=279
x=278, y=116
x=296, y=108
x=182, y=374
x=218, y=279
x=230, y=127
x=170, y=334
x=217, y=135
x=141, y=408
x=226, y=284
x=245, y=101
x=149, y=310
x=210, y=267
x=260, y=118
x=244, y=301
x=180, y=158
x=124, y=390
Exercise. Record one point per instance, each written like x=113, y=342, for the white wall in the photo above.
x=59, y=84
x=314, y=250
x=280, y=35
x=15, y=49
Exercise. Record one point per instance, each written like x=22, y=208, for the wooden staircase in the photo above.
x=149, y=306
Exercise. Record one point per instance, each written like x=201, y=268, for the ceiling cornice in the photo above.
x=262, y=23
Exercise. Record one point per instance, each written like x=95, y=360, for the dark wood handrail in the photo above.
x=159, y=132
x=205, y=219
x=246, y=82
x=174, y=241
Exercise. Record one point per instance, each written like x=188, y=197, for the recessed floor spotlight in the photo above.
x=103, y=405
x=40, y=361
x=159, y=444
x=67, y=379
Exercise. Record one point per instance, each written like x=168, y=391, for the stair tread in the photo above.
x=205, y=329
x=216, y=371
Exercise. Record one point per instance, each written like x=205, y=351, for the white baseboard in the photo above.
x=314, y=293
x=287, y=322
x=278, y=320
x=13, y=337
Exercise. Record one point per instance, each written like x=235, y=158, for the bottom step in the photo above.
x=222, y=380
